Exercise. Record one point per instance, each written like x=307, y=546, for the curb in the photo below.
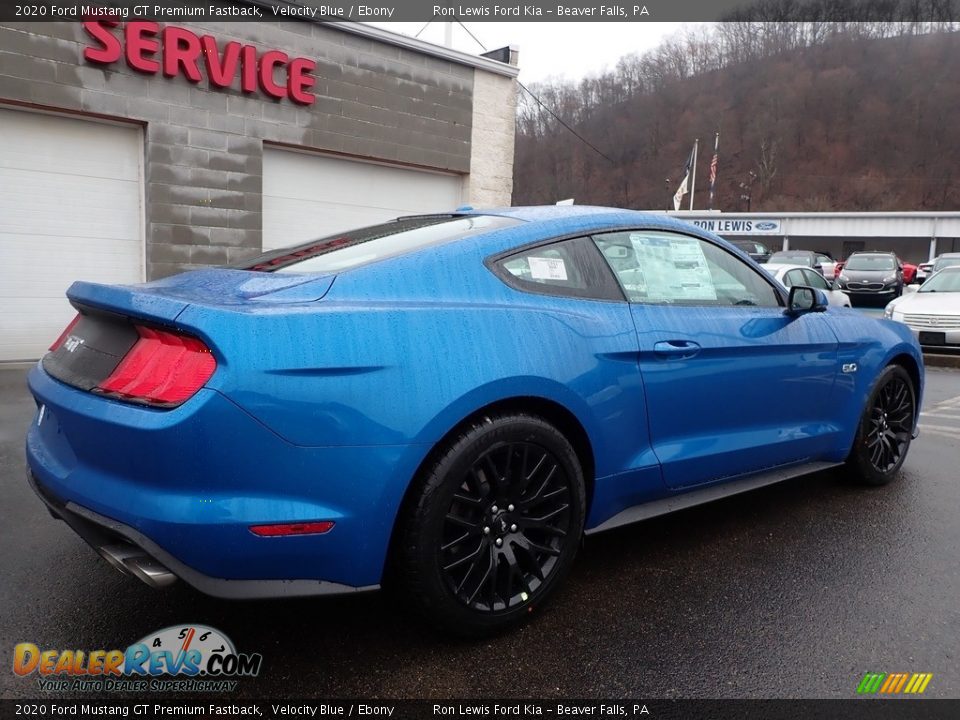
x=18, y=365
x=939, y=360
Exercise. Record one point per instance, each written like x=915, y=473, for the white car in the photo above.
x=790, y=275
x=933, y=311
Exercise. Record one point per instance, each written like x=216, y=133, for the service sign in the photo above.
x=740, y=226
x=176, y=51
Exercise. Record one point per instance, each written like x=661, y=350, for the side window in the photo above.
x=669, y=268
x=812, y=278
x=793, y=277
x=571, y=268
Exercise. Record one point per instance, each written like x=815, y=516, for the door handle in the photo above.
x=676, y=349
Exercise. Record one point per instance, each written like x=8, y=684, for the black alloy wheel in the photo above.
x=886, y=428
x=504, y=531
x=493, y=526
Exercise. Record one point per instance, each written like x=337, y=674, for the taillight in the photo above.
x=296, y=528
x=162, y=367
x=65, y=334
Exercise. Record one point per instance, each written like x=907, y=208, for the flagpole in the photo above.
x=713, y=170
x=693, y=181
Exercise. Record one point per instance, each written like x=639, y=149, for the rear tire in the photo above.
x=494, y=527
x=885, y=429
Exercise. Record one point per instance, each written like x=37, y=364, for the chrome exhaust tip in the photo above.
x=132, y=561
x=151, y=572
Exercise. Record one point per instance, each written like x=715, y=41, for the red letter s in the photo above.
x=110, y=50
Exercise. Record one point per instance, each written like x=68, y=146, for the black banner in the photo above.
x=857, y=709
x=482, y=10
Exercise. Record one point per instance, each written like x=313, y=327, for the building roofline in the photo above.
x=398, y=40
x=425, y=48
x=908, y=214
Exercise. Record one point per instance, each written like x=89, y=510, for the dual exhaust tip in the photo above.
x=131, y=560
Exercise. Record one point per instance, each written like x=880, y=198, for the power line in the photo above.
x=422, y=29
x=545, y=107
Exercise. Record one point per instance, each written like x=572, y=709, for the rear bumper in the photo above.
x=184, y=486
x=133, y=553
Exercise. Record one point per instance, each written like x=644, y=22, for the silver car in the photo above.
x=790, y=275
x=933, y=311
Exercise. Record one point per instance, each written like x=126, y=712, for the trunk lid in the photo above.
x=112, y=321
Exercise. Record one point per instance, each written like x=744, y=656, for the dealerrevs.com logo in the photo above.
x=181, y=658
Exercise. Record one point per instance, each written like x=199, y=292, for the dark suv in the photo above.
x=871, y=276
x=756, y=250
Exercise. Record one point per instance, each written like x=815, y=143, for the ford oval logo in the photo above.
x=765, y=225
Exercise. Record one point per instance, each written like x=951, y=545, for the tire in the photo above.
x=885, y=429
x=511, y=479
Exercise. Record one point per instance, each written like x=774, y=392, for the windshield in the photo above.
x=946, y=281
x=870, y=262
x=358, y=247
x=946, y=262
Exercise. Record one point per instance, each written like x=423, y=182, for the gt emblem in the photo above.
x=72, y=343
x=849, y=367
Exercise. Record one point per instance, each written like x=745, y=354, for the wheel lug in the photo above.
x=486, y=531
x=509, y=508
x=499, y=542
x=513, y=528
x=494, y=509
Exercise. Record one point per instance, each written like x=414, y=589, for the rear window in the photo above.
x=798, y=257
x=751, y=247
x=358, y=247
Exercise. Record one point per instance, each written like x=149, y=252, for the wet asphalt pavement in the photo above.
x=795, y=590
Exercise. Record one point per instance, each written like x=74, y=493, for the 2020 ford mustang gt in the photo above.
x=449, y=402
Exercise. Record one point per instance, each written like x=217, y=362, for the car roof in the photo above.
x=570, y=218
x=785, y=266
x=540, y=213
x=949, y=255
x=873, y=252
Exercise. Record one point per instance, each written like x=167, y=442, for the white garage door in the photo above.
x=69, y=210
x=308, y=196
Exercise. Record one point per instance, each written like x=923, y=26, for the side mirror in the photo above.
x=803, y=299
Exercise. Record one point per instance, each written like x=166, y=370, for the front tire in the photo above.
x=886, y=428
x=494, y=527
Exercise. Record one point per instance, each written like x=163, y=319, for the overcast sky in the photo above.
x=557, y=49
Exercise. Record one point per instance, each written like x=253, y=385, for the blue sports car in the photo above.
x=447, y=404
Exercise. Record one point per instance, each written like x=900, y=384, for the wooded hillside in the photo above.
x=826, y=117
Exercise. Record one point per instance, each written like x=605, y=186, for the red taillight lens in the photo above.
x=63, y=336
x=162, y=367
x=303, y=528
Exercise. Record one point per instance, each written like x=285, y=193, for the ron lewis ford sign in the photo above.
x=723, y=226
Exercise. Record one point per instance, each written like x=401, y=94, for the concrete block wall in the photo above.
x=204, y=146
x=490, y=182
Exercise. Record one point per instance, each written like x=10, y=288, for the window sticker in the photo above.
x=547, y=268
x=674, y=268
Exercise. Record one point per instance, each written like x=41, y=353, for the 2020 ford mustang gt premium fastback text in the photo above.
x=447, y=404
